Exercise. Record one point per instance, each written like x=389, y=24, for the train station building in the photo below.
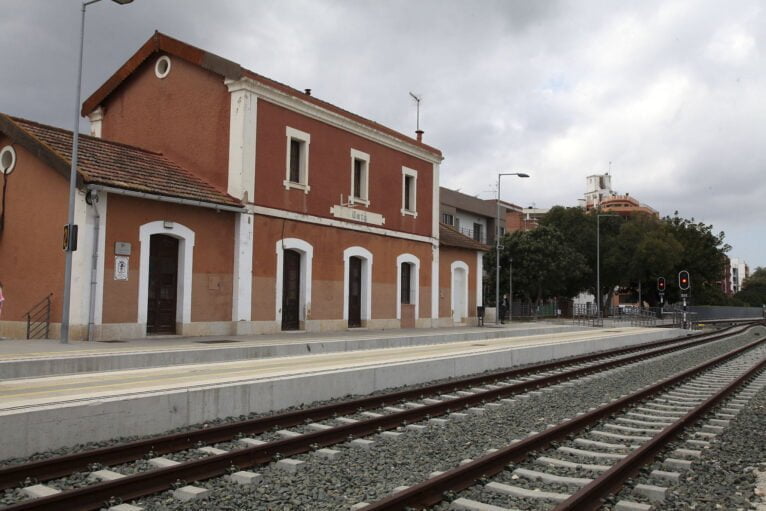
x=214, y=201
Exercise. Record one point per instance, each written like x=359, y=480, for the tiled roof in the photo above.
x=450, y=237
x=161, y=43
x=113, y=164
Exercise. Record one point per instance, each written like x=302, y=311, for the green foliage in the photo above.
x=544, y=265
x=754, y=289
x=633, y=250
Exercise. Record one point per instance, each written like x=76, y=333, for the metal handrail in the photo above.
x=39, y=319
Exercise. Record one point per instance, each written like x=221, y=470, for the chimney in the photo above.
x=307, y=91
x=419, y=133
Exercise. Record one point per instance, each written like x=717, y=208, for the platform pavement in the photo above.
x=38, y=414
x=48, y=357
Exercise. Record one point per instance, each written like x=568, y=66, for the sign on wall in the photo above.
x=358, y=215
x=121, y=267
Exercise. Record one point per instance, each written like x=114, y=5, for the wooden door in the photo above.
x=291, y=290
x=355, y=292
x=163, y=285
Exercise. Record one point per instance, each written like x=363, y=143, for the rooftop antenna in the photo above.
x=610, y=169
x=417, y=100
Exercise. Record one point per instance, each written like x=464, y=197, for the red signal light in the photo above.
x=683, y=280
x=661, y=284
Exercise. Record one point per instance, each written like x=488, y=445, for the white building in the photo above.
x=739, y=272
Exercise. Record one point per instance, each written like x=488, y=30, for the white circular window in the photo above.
x=7, y=159
x=162, y=67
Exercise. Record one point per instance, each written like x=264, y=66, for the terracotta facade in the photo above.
x=245, y=249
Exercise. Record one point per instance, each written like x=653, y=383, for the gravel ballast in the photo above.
x=359, y=475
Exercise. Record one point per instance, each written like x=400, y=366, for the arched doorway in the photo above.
x=163, y=285
x=459, y=291
x=291, y=290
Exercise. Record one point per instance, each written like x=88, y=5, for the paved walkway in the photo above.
x=46, y=348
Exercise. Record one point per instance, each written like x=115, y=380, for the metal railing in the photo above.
x=39, y=319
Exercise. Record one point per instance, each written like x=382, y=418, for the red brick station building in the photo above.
x=214, y=201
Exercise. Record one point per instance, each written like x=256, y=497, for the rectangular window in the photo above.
x=409, y=192
x=360, y=178
x=448, y=219
x=477, y=232
x=297, y=159
x=406, y=275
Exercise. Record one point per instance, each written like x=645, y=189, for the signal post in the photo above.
x=683, y=284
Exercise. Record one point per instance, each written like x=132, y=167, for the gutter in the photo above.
x=163, y=198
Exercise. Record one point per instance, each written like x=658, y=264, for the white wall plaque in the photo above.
x=358, y=215
x=121, y=267
x=122, y=248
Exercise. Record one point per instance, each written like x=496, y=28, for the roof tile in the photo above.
x=123, y=166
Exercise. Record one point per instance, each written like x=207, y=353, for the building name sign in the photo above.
x=357, y=215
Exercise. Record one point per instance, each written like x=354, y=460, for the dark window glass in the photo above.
x=408, y=193
x=477, y=234
x=358, y=168
x=295, y=160
x=406, y=273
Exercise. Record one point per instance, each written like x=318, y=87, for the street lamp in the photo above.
x=598, y=264
x=73, y=181
x=497, y=243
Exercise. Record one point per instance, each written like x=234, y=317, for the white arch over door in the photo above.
x=185, y=238
x=366, y=257
x=414, y=284
x=307, y=260
x=459, y=291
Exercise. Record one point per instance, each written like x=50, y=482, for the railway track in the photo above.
x=453, y=401
x=607, y=450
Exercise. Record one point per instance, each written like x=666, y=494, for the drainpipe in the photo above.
x=93, y=195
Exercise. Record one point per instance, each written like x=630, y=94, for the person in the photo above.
x=503, y=308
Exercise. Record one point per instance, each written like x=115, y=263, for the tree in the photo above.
x=704, y=256
x=544, y=265
x=753, y=291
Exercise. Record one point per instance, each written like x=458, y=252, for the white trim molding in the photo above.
x=479, y=277
x=96, y=118
x=455, y=268
x=303, y=178
x=366, y=256
x=242, y=128
x=364, y=188
x=242, y=285
x=414, y=284
x=435, y=284
x=307, y=262
x=313, y=111
x=185, y=238
x=98, y=305
x=340, y=224
x=413, y=209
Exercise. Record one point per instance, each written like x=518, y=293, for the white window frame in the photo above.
x=408, y=172
x=305, y=140
x=366, y=256
x=364, y=189
x=307, y=262
x=414, y=283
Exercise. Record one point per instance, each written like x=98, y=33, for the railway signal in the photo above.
x=683, y=280
x=661, y=284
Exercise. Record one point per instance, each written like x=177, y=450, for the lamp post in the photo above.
x=598, y=264
x=497, y=243
x=510, y=289
x=73, y=179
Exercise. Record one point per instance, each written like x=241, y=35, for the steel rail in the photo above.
x=47, y=469
x=154, y=481
x=430, y=492
x=590, y=497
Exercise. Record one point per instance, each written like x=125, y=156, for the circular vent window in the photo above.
x=162, y=67
x=7, y=159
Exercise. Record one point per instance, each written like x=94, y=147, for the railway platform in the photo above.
x=99, y=391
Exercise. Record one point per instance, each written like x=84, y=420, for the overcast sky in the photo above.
x=670, y=92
